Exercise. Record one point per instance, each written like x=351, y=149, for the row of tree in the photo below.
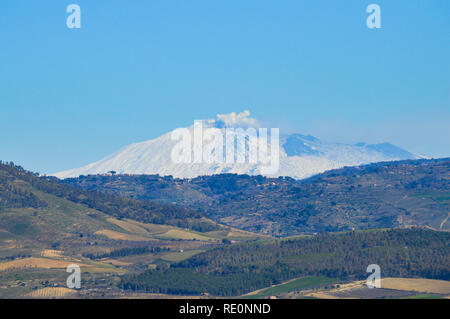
x=123, y=252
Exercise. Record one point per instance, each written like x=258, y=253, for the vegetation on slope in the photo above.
x=238, y=269
x=16, y=191
x=382, y=195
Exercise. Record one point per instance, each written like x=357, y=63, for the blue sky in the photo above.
x=138, y=69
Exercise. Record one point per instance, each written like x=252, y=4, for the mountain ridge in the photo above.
x=398, y=194
x=300, y=156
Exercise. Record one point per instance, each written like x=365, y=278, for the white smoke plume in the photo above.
x=232, y=119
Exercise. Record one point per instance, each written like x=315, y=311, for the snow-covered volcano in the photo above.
x=300, y=156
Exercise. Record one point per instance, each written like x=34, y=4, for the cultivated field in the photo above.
x=111, y=234
x=34, y=262
x=185, y=235
x=390, y=288
x=129, y=227
x=51, y=292
x=291, y=285
x=116, y=262
x=417, y=284
x=51, y=253
x=179, y=256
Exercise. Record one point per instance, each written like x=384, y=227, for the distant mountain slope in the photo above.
x=30, y=217
x=21, y=189
x=301, y=156
x=389, y=194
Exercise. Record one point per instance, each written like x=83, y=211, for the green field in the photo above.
x=424, y=296
x=180, y=256
x=297, y=284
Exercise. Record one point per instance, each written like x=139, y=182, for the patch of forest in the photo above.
x=238, y=269
x=128, y=251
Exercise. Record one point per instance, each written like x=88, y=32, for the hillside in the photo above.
x=18, y=189
x=239, y=269
x=382, y=195
x=46, y=226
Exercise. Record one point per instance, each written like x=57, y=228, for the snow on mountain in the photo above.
x=300, y=156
